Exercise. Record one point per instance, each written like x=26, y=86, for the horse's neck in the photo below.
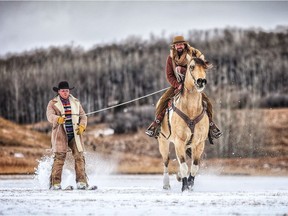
x=191, y=103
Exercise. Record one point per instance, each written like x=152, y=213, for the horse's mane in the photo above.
x=202, y=63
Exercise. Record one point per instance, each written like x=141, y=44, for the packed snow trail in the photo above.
x=143, y=195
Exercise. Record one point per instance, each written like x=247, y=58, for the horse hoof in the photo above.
x=185, y=184
x=191, y=181
x=185, y=188
x=166, y=187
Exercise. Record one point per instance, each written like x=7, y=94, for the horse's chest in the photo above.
x=201, y=128
x=183, y=130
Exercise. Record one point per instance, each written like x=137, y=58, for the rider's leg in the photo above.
x=161, y=106
x=214, y=131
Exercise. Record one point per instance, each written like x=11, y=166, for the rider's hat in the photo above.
x=178, y=39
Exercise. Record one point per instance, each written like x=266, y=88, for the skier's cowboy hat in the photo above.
x=62, y=85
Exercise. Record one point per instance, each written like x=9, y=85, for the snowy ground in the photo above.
x=143, y=195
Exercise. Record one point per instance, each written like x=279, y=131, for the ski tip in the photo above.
x=94, y=187
x=70, y=187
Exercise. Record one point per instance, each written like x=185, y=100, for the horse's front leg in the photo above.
x=195, y=162
x=164, y=150
x=181, y=155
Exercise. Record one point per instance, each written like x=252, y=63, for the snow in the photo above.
x=143, y=195
x=140, y=194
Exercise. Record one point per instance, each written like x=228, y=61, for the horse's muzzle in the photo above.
x=200, y=83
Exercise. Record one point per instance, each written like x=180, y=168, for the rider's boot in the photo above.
x=153, y=129
x=214, y=131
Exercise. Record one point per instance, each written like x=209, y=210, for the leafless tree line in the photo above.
x=249, y=67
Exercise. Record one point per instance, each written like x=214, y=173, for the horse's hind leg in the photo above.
x=195, y=162
x=164, y=150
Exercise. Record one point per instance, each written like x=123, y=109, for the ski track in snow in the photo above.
x=143, y=195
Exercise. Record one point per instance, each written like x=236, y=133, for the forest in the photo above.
x=250, y=72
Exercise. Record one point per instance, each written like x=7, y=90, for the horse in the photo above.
x=187, y=126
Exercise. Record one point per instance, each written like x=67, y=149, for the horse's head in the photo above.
x=196, y=73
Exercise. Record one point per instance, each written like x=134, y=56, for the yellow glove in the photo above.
x=80, y=130
x=61, y=120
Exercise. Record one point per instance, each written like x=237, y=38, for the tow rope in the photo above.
x=127, y=102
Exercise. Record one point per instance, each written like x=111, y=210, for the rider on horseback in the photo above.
x=176, y=67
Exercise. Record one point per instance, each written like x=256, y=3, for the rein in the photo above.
x=189, y=91
x=193, y=77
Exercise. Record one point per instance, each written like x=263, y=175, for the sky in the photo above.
x=26, y=25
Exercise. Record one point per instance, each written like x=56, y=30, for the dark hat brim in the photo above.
x=179, y=42
x=57, y=89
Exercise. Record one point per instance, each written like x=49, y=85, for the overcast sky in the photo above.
x=30, y=25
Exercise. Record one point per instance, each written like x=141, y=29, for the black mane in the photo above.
x=202, y=63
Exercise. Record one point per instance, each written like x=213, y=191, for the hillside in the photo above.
x=22, y=146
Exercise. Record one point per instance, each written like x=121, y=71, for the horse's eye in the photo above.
x=191, y=67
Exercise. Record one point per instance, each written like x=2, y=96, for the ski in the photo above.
x=70, y=187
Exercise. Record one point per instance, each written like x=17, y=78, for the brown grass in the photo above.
x=137, y=153
x=15, y=140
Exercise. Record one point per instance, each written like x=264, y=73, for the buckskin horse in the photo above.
x=187, y=125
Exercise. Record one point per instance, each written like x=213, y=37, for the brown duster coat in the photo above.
x=59, y=137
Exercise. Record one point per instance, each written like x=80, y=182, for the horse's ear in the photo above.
x=188, y=57
x=208, y=65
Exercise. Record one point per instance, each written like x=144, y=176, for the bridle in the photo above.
x=194, y=79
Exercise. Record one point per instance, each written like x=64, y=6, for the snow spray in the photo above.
x=96, y=165
x=43, y=171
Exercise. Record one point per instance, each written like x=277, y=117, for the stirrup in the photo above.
x=149, y=132
x=153, y=133
x=214, y=131
x=153, y=129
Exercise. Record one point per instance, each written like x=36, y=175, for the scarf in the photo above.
x=180, y=60
x=68, y=122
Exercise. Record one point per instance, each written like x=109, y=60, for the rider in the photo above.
x=176, y=66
